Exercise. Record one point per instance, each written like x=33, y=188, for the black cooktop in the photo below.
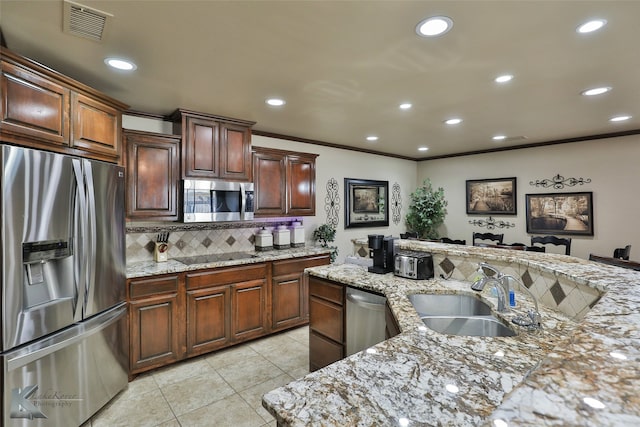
x=205, y=259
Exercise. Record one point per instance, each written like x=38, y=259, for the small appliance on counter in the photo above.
x=264, y=240
x=382, y=250
x=297, y=235
x=281, y=237
x=413, y=265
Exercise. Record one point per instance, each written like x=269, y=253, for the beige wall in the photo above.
x=339, y=164
x=611, y=164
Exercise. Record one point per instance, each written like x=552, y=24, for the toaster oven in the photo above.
x=413, y=265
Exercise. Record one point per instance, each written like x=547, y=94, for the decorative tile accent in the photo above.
x=207, y=242
x=181, y=244
x=557, y=293
x=362, y=252
x=527, y=280
x=447, y=266
x=230, y=241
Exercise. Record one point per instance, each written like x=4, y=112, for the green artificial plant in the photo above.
x=325, y=234
x=426, y=211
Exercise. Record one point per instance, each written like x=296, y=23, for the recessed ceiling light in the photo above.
x=434, y=26
x=596, y=91
x=405, y=106
x=372, y=138
x=275, y=102
x=504, y=78
x=423, y=148
x=619, y=118
x=499, y=137
x=591, y=26
x=120, y=64
x=453, y=121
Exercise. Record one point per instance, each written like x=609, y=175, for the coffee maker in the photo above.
x=382, y=251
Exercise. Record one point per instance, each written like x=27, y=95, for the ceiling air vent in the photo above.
x=84, y=21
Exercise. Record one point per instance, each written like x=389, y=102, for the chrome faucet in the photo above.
x=533, y=319
x=498, y=279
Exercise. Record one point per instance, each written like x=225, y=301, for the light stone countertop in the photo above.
x=152, y=268
x=532, y=379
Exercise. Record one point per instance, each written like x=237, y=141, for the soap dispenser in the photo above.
x=264, y=240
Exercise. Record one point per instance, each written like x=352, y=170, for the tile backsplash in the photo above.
x=199, y=239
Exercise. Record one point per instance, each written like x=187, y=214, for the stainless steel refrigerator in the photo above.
x=64, y=328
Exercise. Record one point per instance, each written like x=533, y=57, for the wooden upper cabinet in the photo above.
x=33, y=107
x=269, y=180
x=153, y=175
x=285, y=182
x=214, y=146
x=44, y=109
x=96, y=126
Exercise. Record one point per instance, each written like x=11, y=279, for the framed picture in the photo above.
x=560, y=213
x=496, y=196
x=367, y=203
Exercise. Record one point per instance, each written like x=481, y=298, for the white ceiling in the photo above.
x=345, y=66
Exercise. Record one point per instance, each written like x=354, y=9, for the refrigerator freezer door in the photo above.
x=64, y=379
x=105, y=245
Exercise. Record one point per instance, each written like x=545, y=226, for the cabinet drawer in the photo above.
x=326, y=318
x=226, y=275
x=146, y=287
x=280, y=268
x=323, y=352
x=326, y=290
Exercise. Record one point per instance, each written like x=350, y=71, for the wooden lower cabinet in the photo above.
x=327, y=326
x=290, y=291
x=177, y=316
x=156, y=319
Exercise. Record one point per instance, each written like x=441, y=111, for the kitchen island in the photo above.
x=581, y=369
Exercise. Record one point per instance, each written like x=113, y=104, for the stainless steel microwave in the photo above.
x=212, y=200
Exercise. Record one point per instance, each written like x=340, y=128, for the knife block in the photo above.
x=160, y=253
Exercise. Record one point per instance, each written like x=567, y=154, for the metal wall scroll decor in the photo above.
x=332, y=203
x=396, y=203
x=492, y=223
x=558, y=182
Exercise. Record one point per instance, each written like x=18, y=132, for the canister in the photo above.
x=281, y=237
x=263, y=240
x=297, y=235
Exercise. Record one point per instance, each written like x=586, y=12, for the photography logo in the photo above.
x=28, y=403
x=21, y=407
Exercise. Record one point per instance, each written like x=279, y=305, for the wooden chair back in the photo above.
x=553, y=240
x=488, y=236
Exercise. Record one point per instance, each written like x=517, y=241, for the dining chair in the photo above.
x=622, y=253
x=487, y=236
x=553, y=240
x=536, y=249
x=453, y=241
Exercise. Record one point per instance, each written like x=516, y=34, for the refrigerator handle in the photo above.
x=91, y=235
x=79, y=232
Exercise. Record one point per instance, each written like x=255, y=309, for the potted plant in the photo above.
x=325, y=234
x=427, y=210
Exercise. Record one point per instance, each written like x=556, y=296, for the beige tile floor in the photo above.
x=224, y=388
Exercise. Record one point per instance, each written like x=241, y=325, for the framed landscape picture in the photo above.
x=560, y=213
x=366, y=203
x=496, y=196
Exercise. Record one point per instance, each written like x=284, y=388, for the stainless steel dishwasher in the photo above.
x=365, y=319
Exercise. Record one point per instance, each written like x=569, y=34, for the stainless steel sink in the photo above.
x=482, y=326
x=459, y=314
x=449, y=305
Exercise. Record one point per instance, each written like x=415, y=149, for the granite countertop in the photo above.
x=152, y=268
x=421, y=377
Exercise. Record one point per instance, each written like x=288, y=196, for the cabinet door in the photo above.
x=208, y=319
x=301, y=185
x=288, y=301
x=201, y=149
x=156, y=321
x=235, y=152
x=33, y=107
x=154, y=332
x=248, y=309
x=269, y=173
x=152, y=176
x=96, y=127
